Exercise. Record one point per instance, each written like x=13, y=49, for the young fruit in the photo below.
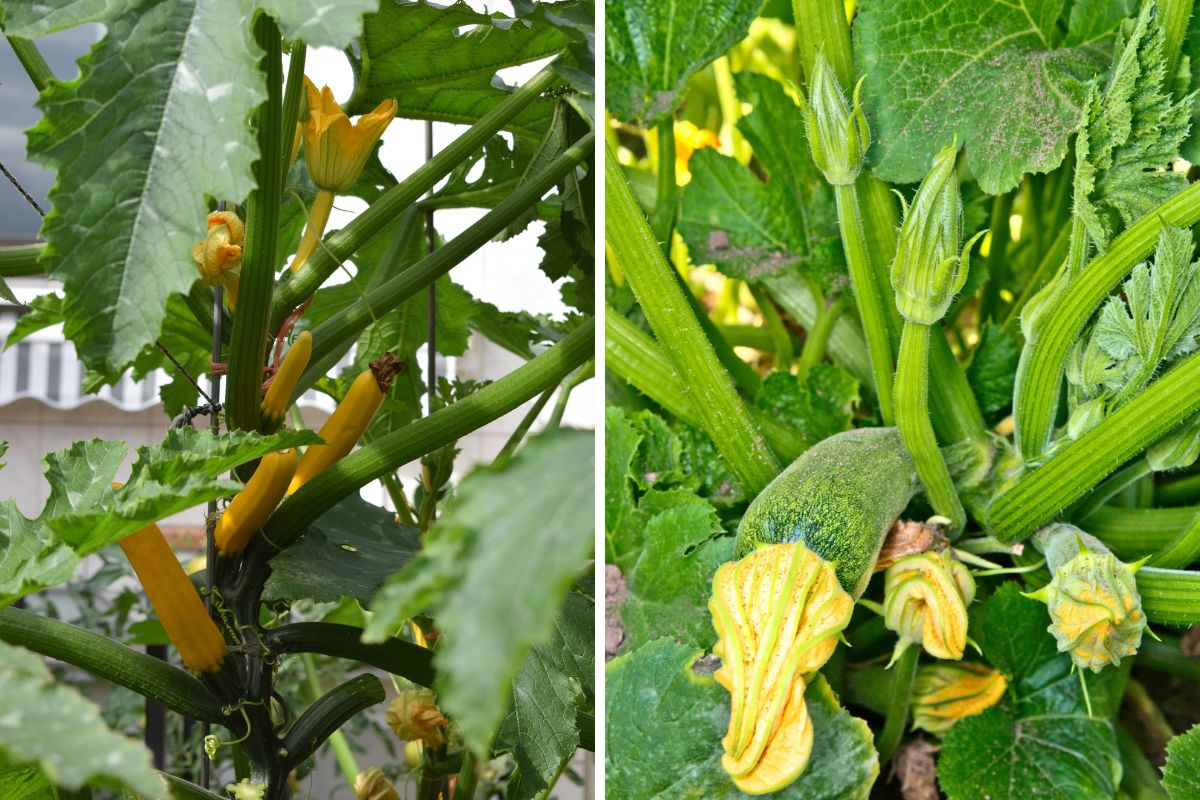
x=275, y=402
x=251, y=507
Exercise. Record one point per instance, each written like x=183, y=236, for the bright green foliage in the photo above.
x=752, y=229
x=815, y=407
x=1039, y=741
x=40, y=715
x=934, y=69
x=652, y=49
x=991, y=370
x=1131, y=130
x=665, y=723
x=1181, y=776
x=496, y=581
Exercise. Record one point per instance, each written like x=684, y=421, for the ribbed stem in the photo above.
x=1043, y=360
x=632, y=245
x=395, y=656
x=996, y=258
x=1183, y=550
x=293, y=97
x=31, y=59
x=904, y=675
x=1051, y=261
x=1170, y=596
x=20, y=260
x=916, y=430
x=1133, y=533
x=665, y=202
x=1042, y=492
x=111, y=661
x=638, y=360
x=1174, y=16
x=821, y=26
x=867, y=296
x=1116, y=483
x=1178, y=491
x=324, y=717
x=391, y=203
x=425, y=435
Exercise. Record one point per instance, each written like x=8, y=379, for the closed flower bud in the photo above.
x=1086, y=416
x=336, y=149
x=1095, y=609
x=944, y=693
x=219, y=256
x=414, y=715
x=373, y=785
x=925, y=602
x=1178, y=449
x=838, y=136
x=929, y=269
x=778, y=613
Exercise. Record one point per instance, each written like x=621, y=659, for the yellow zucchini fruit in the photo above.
x=250, y=508
x=174, y=599
x=342, y=430
x=275, y=402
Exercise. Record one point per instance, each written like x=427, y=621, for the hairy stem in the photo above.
x=905, y=670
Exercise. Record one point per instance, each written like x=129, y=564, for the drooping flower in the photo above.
x=925, y=602
x=218, y=256
x=374, y=785
x=946, y=692
x=778, y=613
x=414, y=716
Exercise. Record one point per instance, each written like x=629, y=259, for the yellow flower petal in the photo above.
x=336, y=149
x=925, y=602
x=945, y=693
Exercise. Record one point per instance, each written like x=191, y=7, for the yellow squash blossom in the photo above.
x=414, y=716
x=219, y=255
x=778, y=613
x=945, y=693
x=335, y=150
x=925, y=602
x=373, y=785
x=688, y=139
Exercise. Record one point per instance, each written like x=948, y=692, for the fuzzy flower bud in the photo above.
x=1178, y=449
x=838, y=136
x=925, y=602
x=414, y=715
x=1095, y=609
x=219, y=256
x=778, y=613
x=944, y=693
x=929, y=270
x=373, y=785
x=336, y=149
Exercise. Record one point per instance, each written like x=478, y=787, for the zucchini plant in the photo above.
x=901, y=433
x=194, y=157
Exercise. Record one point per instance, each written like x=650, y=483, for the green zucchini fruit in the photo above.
x=839, y=498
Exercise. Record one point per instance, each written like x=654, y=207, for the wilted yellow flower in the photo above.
x=219, y=255
x=372, y=785
x=1095, y=609
x=925, y=602
x=335, y=149
x=777, y=613
x=945, y=693
x=414, y=715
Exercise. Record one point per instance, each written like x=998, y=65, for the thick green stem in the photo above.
x=744, y=376
x=347, y=325
x=526, y=423
x=1042, y=492
x=1170, y=596
x=1178, y=491
x=1133, y=533
x=337, y=740
x=33, y=62
x=867, y=296
x=1112, y=486
x=111, y=661
x=665, y=197
x=818, y=335
x=323, y=718
x=821, y=26
x=1044, y=358
x=1174, y=16
x=724, y=418
x=916, y=430
x=1166, y=656
x=905, y=674
x=293, y=98
x=395, y=656
x=754, y=336
x=384, y=210
x=249, y=342
x=392, y=451
x=20, y=260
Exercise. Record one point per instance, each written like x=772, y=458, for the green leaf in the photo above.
x=349, y=552
x=990, y=73
x=45, y=310
x=652, y=49
x=1039, y=741
x=24, y=783
x=817, y=407
x=622, y=529
x=751, y=228
x=556, y=679
x=440, y=63
x=510, y=573
x=1130, y=133
x=664, y=729
x=992, y=373
x=1181, y=776
x=167, y=103
x=62, y=732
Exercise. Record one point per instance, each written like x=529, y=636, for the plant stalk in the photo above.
x=905, y=674
x=337, y=740
x=395, y=656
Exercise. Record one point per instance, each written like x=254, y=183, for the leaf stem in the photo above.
x=1051, y=261
x=293, y=97
x=667, y=192
x=324, y=717
x=904, y=675
x=337, y=740
x=1178, y=491
x=916, y=430
x=1113, y=485
x=818, y=335
x=996, y=259
x=1170, y=596
x=1042, y=492
x=395, y=656
x=1174, y=16
x=774, y=323
x=632, y=246
x=20, y=260
x=31, y=59
x=868, y=297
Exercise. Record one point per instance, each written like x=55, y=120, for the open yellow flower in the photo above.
x=335, y=150
x=945, y=693
x=219, y=255
x=925, y=602
x=777, y=613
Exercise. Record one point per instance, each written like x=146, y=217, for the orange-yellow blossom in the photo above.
x=777, y=613
x=219, y=255
x=946, y=692
x=335, y=149
x=925, y=602
x=373, y=785
x=415, y=716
